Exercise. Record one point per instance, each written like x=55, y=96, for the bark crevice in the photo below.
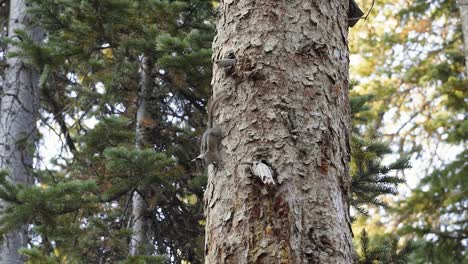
x=287, y=107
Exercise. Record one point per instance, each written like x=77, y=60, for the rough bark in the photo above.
x=139, y=243
x=18, y=114
x=286, y=104
x=463, y=6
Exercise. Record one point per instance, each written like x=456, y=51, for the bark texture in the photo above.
x=286, y=103
x=19, y=103
x=139, y=243
x=463, y=6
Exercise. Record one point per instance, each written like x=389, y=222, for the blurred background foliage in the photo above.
x=409, y=56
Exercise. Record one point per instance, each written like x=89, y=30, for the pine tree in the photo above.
x=417, y=75
x=19, y=101
x=96, y=45
x=433, y=214
x=370, y=178
x=383, y=249
x=371, y=183
x=283, y=107
x=80, y=211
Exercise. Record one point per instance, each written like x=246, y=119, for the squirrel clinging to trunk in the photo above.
x=211, y=139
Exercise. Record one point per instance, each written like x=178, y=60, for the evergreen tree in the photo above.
x=279, y=193
x=370, y=178
x=90, y=87
x=90, y=71
x=435, y=214
x=413, y=62
x=19, y=106
x=383, y=249
x=372, y=183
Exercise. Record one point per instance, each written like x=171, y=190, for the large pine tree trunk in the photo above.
x=140, y=244
x=285, y=102
x=18, y=114
x=463, y=6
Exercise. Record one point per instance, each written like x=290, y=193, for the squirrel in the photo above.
x=211, y=138
x=228, y=60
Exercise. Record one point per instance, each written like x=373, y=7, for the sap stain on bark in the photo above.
x=269, y=227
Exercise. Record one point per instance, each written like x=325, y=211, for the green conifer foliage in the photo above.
x=412, y=60
x=89, y=66
x=383, y=249
x=370, y=178
x=371, y=181
x=436, y=214
x=79, y=212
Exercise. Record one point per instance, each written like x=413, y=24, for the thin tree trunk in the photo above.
x=18, y=115
x=463, y=6
x=139, y=244
x=285, y=104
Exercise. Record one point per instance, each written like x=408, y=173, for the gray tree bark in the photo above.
x=140, y=244
x=19, y=103
x=463, y=6
x=285, y=103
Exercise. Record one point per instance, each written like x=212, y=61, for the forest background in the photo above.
x=408, y=98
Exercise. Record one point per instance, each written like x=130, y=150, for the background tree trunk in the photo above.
x=139, y=243
x=463, y=6
x=18, y=114
x=286, y=103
